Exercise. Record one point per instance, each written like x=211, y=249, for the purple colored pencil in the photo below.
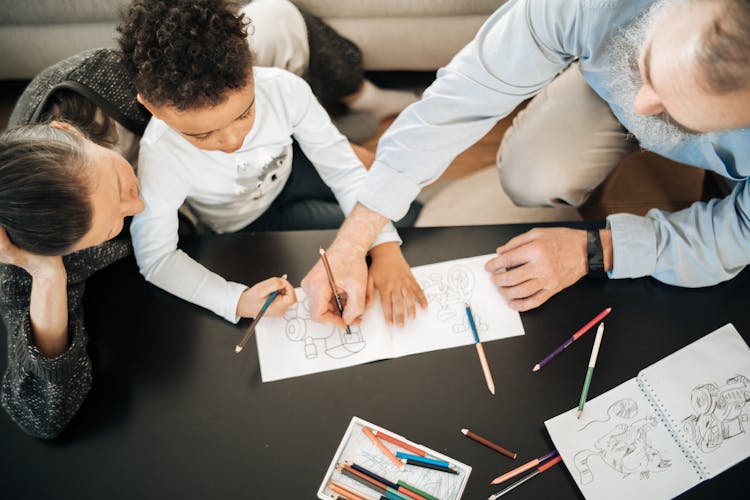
x=572, y=339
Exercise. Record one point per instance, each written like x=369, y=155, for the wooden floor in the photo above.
x=641, y=182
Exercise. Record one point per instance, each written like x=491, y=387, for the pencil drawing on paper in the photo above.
x=449, y=292
x=720, y=413
x=622, y=408
x=626, y=449
x=335, y=343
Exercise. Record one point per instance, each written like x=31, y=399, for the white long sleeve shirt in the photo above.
x=228, y=191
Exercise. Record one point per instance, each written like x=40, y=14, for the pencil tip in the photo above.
x=284, y=277
x=322, y=252
x=464, y=431
x=494, y=481
x=536, y=368
x=579, y=414
x=237, y=349
x=492, y=390
x=609, y=309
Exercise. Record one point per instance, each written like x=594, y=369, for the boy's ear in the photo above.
x=146, y=104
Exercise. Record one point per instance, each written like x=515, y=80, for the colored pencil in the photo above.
x=489, y=444
x=339, y=488
x=386, y=482
x=590, y=370
x=426, y=460
x=399, y=443
x=480, y=352
x=430, y=466
x=518, y=483
x=334, y=288
x=416, y=490
x=585, y=328
x=364, y=480
x=382, y=447
x=252, y=326
x=523, y=468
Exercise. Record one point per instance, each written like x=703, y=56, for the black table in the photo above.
x=174, y=413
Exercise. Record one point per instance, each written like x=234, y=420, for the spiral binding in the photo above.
x=682, y=442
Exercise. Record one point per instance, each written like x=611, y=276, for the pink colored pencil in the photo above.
x=523, y=468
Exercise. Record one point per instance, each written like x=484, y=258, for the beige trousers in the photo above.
x=562, y=145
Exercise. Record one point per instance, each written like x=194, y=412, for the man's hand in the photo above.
x=349, y=270
x=392, y=276
x=540, y=263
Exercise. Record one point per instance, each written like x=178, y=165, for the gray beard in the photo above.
x=655, y=132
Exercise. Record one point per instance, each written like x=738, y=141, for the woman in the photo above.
x=63, y=191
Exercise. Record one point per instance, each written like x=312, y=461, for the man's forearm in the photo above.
x=360, y=229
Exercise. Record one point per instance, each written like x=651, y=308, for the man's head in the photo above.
x=695, y=65
x=192, y=67
x=685, y=67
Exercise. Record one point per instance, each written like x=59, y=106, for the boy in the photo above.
x=221, y=139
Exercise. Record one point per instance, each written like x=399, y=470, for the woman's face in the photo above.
x=114, y=194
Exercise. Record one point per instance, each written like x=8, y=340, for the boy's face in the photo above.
x=220, y=127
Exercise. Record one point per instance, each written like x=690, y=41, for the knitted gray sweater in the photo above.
x=41, y=395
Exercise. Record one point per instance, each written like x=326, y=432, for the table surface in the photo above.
x=174, y=413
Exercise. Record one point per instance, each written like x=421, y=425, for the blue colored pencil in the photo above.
x=480, y=352
x=426, y=460
x=251, y=328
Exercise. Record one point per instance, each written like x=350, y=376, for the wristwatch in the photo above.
x=595, y=254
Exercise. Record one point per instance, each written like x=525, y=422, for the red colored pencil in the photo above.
x=518, y=483
x=388, y=453
x=585, y=328
x=524, y=468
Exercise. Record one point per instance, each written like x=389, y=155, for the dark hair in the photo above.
x=724, y=52
x=67, y=105
x=44, y=193
x=185, y=53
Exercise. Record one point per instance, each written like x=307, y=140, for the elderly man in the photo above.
x=673, y=75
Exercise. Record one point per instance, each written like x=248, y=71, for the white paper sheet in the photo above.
x=295, y=345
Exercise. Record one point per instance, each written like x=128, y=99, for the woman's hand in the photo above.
x=38, y=266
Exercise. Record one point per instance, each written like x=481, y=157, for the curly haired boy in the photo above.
x=246, y=148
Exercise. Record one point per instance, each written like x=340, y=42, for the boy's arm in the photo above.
x=154, y=233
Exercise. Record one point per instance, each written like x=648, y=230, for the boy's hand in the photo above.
x=392, y=276
x=254, y=297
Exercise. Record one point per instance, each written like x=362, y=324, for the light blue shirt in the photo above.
x=521, y=48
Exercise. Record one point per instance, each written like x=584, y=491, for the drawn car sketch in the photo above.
x=335, y=343
x=450, y=292
x=720, y=413
x=626, y=449
x=622, y=408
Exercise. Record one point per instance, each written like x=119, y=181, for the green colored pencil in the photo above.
x=415, y=490
x=590, y=371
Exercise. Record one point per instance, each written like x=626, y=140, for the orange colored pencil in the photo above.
x=339, y=488
x=379, y=444
x=399, y=443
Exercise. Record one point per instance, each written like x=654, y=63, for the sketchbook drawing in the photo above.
x=720, y=413
x=626, y=449
x=295, y=345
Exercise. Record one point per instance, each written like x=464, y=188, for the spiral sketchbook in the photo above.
x=681, y=421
